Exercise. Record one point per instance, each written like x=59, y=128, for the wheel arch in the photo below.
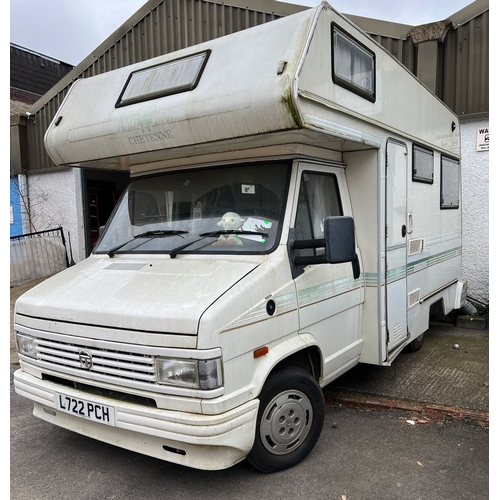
x=309, y=359
x=301, y=351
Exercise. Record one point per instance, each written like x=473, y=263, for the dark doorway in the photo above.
x=102, y=190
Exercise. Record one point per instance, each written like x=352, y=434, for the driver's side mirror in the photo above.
x=339, y=244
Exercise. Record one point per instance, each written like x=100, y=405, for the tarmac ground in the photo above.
x=448, y=377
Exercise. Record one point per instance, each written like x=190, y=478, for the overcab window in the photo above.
x=172, y=77
x=353, y=65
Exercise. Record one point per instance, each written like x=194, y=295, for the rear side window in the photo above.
x=450, y=183
x=423, y=165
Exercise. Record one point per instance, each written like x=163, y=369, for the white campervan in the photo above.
x=294, y=209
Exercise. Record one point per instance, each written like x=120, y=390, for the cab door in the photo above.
x=329, y=297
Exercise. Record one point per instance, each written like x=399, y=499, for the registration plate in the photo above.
x=86, y=409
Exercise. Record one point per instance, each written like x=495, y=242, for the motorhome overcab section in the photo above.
x=294, y=221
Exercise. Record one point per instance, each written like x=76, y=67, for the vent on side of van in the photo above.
x=415, y=246
x=414, y=297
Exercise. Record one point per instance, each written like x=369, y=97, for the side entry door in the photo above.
x=396, y=241
x=329, y=297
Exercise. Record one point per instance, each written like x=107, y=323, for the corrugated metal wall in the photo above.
x=463, y=70
x=466, y=67
x=175, y=24
x=405, y=51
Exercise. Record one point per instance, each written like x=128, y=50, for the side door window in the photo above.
x=319, y=198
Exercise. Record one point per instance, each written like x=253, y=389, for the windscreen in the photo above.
x=230, y=209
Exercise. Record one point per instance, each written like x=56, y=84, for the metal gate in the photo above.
x=36, y=255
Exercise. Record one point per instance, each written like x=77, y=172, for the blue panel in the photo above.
x=16, y=226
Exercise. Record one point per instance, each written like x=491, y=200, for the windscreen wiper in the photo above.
x=173, y=253
x=155, y=233
x=223, y=232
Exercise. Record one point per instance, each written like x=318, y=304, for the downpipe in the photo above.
x=468, y=308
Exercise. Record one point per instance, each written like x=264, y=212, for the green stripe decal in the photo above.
x=411, y=268
x=327, y=290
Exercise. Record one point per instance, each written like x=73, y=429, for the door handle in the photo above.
x=403, y=231
x=410, y=222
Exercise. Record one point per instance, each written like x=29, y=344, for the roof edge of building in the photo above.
x=402, y=31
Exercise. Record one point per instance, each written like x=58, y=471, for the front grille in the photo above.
x=105, y=362
x=109, y=364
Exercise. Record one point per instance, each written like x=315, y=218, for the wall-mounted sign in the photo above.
x=483, y=139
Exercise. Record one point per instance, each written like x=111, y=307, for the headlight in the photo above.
x=26, y=345
x=195, y=374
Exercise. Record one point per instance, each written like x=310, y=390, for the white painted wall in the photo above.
x=55, y=199
x=475, y=213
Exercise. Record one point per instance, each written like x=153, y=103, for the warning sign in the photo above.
x=483, y=139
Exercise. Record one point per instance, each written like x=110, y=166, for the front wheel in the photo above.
x=289, y=420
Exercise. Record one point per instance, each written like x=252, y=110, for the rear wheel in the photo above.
x=416, y=344
x=289, y=420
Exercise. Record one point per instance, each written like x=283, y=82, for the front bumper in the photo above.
x=209, y=442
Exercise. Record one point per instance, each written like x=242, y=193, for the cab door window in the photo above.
x=318, y=198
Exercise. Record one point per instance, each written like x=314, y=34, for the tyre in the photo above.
x=416, y=344
x=289, y=420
